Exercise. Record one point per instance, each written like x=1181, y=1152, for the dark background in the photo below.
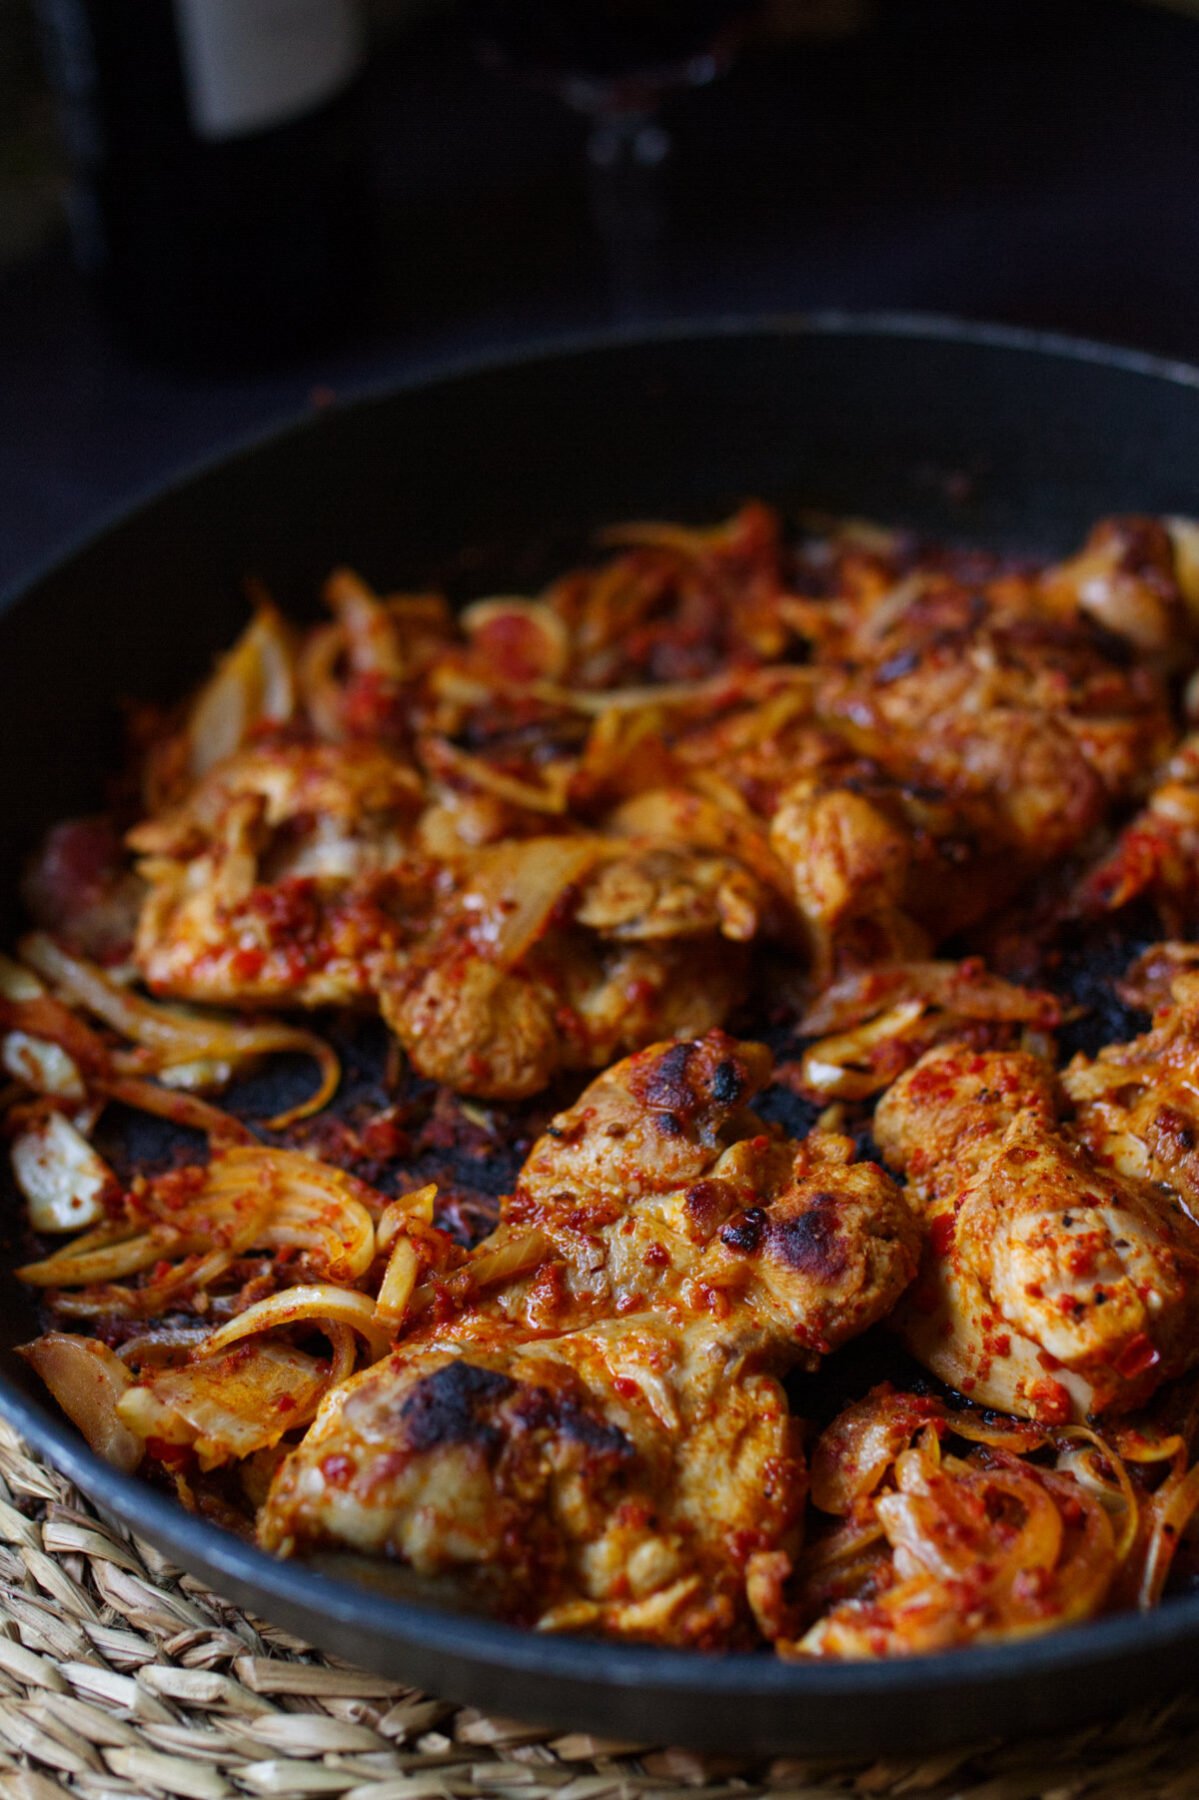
x=1030, y=161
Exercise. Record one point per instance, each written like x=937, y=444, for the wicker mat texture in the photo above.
x=119, y=1676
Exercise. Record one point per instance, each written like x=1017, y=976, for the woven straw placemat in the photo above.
x=120, y=1676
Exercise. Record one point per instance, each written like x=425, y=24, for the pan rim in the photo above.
x=524, y=1651
x=445, y=370
x=480, y=1640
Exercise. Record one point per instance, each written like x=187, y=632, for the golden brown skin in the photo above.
x=621, y=1480
x=613, y=1417
x=576, y=1000
x=1049, y=1288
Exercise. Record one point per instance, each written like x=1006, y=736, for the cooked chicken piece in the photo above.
x=1138, y=1103
x=504, y=1034
x=883, y=1019
x=1156, y=856
x=1049, y=1288
x=946, y=742
x=663, y=891
x=660, y=1185
x=850, y=866
x=605, y=1432
x=477, y=1028
x=534, y=965
x=617, y=1479
x=941, y=1120
x=1127, y=578
x=263, y=884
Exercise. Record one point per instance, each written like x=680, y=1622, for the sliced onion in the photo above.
x=841, y=1066
x=167, y=1346
x=1115, y=1492
x=449, y=763
x=227, y=1407
x=853, y=1454
x=600, y=701
x=180, y=1108
x=313, y=1305
x=369, y=631
x=62, y=1178
x=68, y=1268
x=1171, y=1510
x=18, y=983
x=87, y=1379
x=416, y=1205
x=962, y=989
x=305, y=1205
x=171, y=1036
x=499, y=1258
x=399, y=1283
x=42, y=1065
x=514, y=889
x=254, y=682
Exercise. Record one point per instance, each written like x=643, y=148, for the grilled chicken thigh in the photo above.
x=613, y=1416
x=1050, y=1287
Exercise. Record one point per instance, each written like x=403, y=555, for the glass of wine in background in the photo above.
x=615, y=61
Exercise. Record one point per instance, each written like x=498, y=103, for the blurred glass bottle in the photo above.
x=219, y=196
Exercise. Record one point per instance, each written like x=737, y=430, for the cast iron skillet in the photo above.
x=974, y=433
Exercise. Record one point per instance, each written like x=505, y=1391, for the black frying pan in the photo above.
x=972, y=433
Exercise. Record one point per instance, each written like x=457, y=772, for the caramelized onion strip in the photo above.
x=168, y=1036
x=315, y=1305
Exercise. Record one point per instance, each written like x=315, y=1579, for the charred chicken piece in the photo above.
x=621, y=1480
x=612, y=1416
x=661, y=1187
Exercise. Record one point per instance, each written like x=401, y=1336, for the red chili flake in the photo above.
x=940, y=1234
x=171, y=1456
x=1049, y=1401
x=1137, y=1356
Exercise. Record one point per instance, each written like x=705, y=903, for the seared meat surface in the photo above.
x=613, y=1415
x=514, y=834
x=696, y=950
x=1051, y=1287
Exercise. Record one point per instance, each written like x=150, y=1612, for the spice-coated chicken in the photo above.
x=1050, y=1286
x=613, y=1415
x=805, y=786
x=692, y=755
